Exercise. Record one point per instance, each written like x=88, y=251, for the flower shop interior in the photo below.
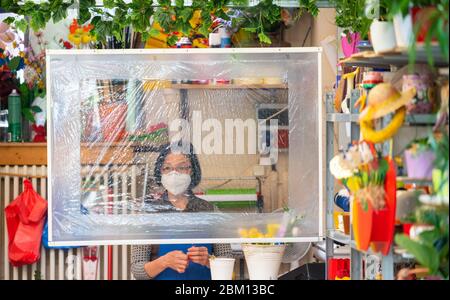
x=224, y=140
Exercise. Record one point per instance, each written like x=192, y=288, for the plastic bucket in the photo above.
x=221, y=268
x=263, y=261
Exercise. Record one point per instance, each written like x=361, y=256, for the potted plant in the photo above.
x=265, y=21
x=421, y=21
x=351, y=17
x=371, y=181
x=419, y=159
x=264, y=259
x=429, y=240
x=399, y=11
x=437, y=18
x=382, y=28
x=261, y=23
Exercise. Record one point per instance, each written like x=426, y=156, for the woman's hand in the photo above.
x=199, y=255
x=176, y=260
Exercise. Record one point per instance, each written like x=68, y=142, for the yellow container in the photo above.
x=156, y=84
x=342, y=221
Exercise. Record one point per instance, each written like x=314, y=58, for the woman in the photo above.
x=178, y=173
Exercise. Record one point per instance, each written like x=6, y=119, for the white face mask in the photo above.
x=176, y=183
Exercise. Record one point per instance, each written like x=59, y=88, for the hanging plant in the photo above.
x=116, y=15
x=351, y=16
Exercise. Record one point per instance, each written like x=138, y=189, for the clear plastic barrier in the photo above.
x=173, y=145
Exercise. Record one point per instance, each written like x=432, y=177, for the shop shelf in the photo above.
x=226, y=86
x=339, y=236
x=422, y=119
x=340, y=117
x=409, y=180
x=23, y=154
x=398, y=57
x=399, y=255
x=411, y=120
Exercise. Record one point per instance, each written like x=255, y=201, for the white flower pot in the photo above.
x=382, y=35
x=221, y=268
x=263, y=261
x=403, y=30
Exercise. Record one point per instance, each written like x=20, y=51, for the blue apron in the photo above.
x=193, y=271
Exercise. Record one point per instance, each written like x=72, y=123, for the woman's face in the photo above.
x=176, y=162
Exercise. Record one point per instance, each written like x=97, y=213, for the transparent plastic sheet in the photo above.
x=113, y=112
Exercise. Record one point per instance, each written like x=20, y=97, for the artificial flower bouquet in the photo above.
x=371, y=182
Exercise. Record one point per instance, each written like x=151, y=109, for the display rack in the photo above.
x=397, y=58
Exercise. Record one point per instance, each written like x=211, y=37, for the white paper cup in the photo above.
x=221, y=268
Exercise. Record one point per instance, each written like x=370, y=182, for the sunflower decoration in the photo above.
x=382, y=101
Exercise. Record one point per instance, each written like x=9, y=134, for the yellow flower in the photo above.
x=243, y=233
x=272, y=229
x=85, y=38
x=254, y=232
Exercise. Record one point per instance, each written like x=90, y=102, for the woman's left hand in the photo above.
x=199, y=255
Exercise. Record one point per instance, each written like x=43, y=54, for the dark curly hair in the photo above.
x=196, y=172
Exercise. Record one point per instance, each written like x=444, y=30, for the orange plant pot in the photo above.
x=376, y=228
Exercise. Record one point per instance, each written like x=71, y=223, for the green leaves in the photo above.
x=264, y=17
x=108, y=3
x=85, y=14
x=263, y=38
x=425, y=254
x=153, y=32
x=38, y=21
x=14, y=63
x=59, y=9
x=36, y=109
x=21, y=24
x=163, y=18
x=9, y=20
x=28, y=114
x=309, y=6
x=251, y=29
x=171, y=40
x=186, y=14
x=350, y=16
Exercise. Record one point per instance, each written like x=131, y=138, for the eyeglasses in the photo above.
x=179, y=169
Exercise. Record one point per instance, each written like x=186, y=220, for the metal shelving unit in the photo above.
x=336, y=237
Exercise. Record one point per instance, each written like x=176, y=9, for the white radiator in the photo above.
x=60, y=264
